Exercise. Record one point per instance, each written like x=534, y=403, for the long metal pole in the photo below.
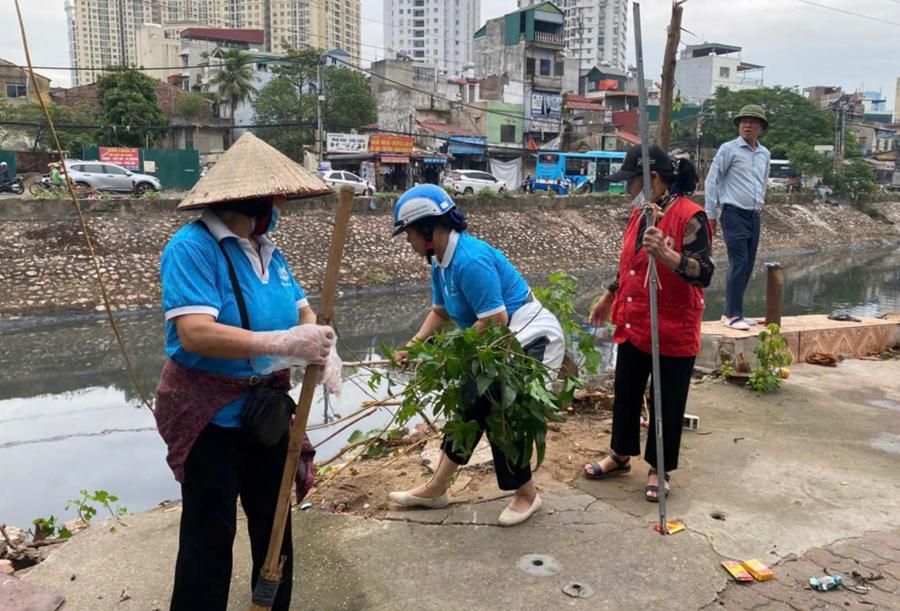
x=654, y=282
x=320, y=97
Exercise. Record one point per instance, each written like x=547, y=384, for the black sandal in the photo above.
x=599, y=473
x=649, y=488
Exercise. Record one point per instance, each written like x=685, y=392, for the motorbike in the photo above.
x=13, y=185
x=527, y=186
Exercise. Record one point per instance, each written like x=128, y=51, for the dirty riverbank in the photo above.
x=46, y=269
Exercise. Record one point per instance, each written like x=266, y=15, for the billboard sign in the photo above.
x=467, y=145
x=546, y=105
x=389, y=143
x=347, y=143
x=130, y=159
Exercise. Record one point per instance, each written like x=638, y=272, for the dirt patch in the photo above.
x=364, y=488
x=66, y=235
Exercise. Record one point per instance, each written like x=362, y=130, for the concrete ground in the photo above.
x=805, y=480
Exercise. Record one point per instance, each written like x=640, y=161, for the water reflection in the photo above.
x=70, y=418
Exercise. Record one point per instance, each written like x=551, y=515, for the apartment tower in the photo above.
x=436, y=32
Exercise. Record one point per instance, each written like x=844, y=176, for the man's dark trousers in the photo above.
x=740, y=229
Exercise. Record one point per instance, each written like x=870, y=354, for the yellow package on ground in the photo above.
x=758, y=570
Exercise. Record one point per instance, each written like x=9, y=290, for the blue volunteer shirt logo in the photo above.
x=285, y=276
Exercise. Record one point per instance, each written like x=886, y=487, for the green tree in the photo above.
x=302, y=68
x=192, y=105
x=128, y=98
x=793, y=119
x=279, y=101
x=71, y=140
x=348, y=101
x=807, y=162
x=233, y=81
x=858, y=177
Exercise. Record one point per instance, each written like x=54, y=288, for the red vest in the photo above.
x=680, y=305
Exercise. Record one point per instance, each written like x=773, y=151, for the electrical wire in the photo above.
x=840, y=10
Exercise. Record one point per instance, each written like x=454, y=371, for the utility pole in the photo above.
x=839, y=138
x=320, y=97
x=668, y=76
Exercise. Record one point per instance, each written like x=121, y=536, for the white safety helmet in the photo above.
x=420, y=202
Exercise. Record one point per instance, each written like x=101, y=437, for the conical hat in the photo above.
x=252, y=168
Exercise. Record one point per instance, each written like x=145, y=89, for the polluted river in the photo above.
x=70, y=419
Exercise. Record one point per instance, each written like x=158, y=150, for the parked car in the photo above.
x=109, y=177
x=468, y=182
x=338, y=178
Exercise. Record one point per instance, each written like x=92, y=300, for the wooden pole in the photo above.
x=271, y=571
x=667, y=90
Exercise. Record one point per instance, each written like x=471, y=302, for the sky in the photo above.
x=800, y=44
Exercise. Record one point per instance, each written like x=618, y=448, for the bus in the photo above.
x=583, y=172
x=782, y=177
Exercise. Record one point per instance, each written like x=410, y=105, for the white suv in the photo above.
x=468, y=182
x=337, y=179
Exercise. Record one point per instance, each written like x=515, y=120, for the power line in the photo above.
x=839, y=10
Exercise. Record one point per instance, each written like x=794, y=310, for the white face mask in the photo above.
x=639, y=201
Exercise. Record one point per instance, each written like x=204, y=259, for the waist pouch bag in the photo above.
x=267, y=412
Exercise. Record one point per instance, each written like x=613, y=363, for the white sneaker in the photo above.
x=511, y=518
x=405, y=499
x=750, y=321
x=736, y=323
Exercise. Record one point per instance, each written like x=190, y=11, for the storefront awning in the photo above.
x=349, y=156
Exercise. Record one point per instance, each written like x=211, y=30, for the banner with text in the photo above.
x=130, y=159
x=347, y=143
x=389, y=143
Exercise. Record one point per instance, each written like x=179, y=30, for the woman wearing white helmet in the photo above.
x=473, y=283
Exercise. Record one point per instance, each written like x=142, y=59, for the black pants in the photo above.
x=223, y=464
x=633, y=368
x=510, y=475
x=741, y=231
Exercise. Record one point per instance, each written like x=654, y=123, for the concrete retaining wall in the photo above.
x=56, y=210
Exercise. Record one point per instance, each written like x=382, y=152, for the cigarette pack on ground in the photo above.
x=758, y=570
x=737, y=570
x=672, y=527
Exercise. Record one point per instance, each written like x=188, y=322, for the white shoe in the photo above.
x=735, y=323
x=750, y=321
x=405, y=499
x=511, y=518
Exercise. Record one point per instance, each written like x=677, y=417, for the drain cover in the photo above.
x=538, y=565
x=578, y=590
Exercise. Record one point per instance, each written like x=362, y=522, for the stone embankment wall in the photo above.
x=45, y=266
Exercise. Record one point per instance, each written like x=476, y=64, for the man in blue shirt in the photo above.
x=737, y=182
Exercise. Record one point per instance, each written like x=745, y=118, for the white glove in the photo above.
x=300, y=345
x=331, y=373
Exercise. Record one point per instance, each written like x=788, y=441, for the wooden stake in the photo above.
x=271, y=570
x=667, y=90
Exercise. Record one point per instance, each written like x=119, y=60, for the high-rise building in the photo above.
x=437, y=32
x=596, y=30
x=104, y=32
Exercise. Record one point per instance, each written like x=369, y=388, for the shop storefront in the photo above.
x=469, y=152
x=428, y=168
x=392, y=161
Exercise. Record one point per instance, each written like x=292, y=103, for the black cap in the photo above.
x=634, y=163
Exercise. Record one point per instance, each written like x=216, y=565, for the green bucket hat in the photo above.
x=752, y=111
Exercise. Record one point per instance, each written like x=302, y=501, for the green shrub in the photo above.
x=151, y=194
x=506, y=194
x=486, y=193
x=385, y=196
x=551, y=192
x=448, y=190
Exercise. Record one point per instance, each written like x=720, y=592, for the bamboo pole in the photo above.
x=271, y=571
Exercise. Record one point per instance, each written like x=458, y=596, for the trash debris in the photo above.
x=124, y=596
x=643, y=422
x=671, y=527
x=843, y=318
x=305, y=506
x=823, y=584
x=578, y=590
x=629, y=488
x=691, y=422
x=737, y=439
x=737, y=570
x=758, y=570
x=827, y=359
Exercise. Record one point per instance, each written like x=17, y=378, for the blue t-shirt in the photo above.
x=474, y=280
x=195, y=281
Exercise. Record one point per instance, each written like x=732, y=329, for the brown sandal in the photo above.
x=624, y=466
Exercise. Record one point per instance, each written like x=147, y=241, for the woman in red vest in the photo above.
x=680, y=241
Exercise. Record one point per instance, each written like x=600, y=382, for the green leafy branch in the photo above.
x=557, y=297
x=772, y=356
x=86, y=511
